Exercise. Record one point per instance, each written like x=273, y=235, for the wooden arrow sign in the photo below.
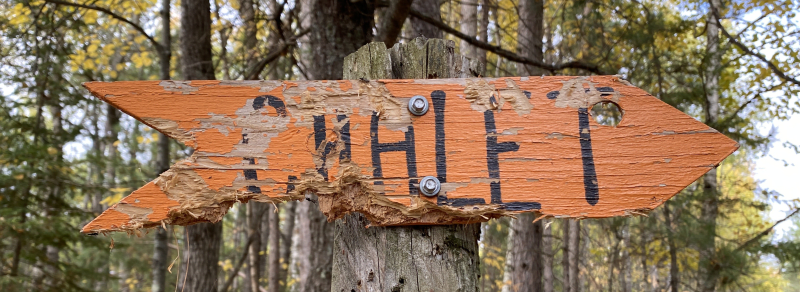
x=498, y=147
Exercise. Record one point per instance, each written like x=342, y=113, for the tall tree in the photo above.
x=524, y=261
x=713, y=66
x=469, y=26
x=547, y=256
x=530, y=34
x=202, y=242
x=574, y=255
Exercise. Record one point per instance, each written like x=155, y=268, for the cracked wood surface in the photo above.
x=500, y=145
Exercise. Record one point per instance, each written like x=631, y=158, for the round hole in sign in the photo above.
x=607, y=113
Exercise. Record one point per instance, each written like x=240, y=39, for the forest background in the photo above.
x=65, y=156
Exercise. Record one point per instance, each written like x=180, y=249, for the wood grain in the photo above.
x=501, y=146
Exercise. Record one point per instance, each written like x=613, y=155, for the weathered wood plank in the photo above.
x=509, y=145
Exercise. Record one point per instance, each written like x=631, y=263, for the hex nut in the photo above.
x=429, y=186
x=418, y=105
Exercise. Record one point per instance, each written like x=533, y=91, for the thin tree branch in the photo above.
x=239, y=264
x=253, y=73
x=506, y=53
x=112, y=15
x=750, y=52
x=765, y=232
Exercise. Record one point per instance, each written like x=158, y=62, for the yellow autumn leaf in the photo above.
x=113, y=75
x=90, y=17
x=120, y=67
x=109, y=49
x=92, y=49
x=19, y=176
x=88, y=65
x=154, y=137
x=119, y=191
x=139, y=139
x=111, y=199
x=139, y=39
x=52, y=150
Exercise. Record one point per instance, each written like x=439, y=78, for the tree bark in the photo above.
x=565, y=254
x=574, y=246
x=274, y=249
x=420, y=28
x=392, y=21
x=254, y=215
x=314, y=249
x=674, y=281
x=626, y=278
x=247, y=12
x=524, y=260
x=469, y=26
x=338, y=28
x=286, y=242
x=709, y=266
x=547, y=256
x=406, y=258
x=483, y=30
x=201, y=254
x=530, y=31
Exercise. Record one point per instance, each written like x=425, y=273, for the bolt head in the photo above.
x=418, y=105
x=429, y=186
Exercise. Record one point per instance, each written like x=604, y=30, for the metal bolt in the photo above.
x=418, y=105
x=429, y=186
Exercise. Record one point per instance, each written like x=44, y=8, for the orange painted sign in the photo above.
x=496, y=147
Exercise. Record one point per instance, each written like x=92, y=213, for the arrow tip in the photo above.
x=144, y=208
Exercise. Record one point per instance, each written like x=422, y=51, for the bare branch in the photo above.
x=765, y=232
x=506, y=53
x=112, y=15
x=281, y=49
x=750, y=52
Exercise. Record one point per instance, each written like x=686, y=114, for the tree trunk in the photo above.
x=286, y=242
x=565, y=254
x=574, y=246
x=524, y=261
x=674, y=281
x=274, y=249
x=469, y=26
x=391, y=23
x=405, y=258
x=709, y=265
x=314, y=249
x=201, y=254
x=254, y=213
x=483, y=30
x=161, y=238
x=626, y=278
x=247, y=12
x=530, y=31
x=420, y=28
x=547, y=255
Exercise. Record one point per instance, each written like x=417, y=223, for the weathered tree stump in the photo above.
x=406, y=258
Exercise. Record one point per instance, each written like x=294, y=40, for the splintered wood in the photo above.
x=498, y=146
